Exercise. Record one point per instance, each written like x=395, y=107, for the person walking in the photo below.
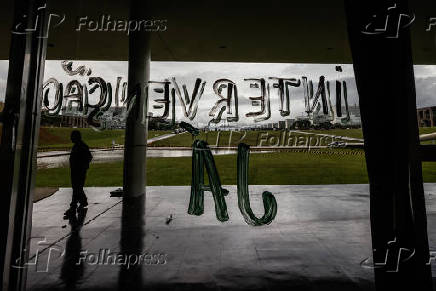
x=80, y=158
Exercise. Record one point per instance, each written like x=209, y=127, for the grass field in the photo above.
x=257, y=138
x=59, y=138
x=354, y=132
x=265, y=169
x=357, y=133
x=270, y=138
x=286, y=168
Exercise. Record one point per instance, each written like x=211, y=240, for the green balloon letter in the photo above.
x=202, y=157
x=269, y=201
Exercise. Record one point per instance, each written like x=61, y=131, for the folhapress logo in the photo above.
x=54, y=20
x=40, y=262
x=431, y=24
x=389, y=23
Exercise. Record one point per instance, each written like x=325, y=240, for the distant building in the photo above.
x=355, y=119
x=282, y=124
x=318, y=118
x=354, y=110
x=74, y=121
x=426, y=116
x=64, y=121
x=158, y=123
x=114, y=118
x=321, y=118
x=289, y=123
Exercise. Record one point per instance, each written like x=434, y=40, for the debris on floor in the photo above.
x=169, y=219
x=117, y=193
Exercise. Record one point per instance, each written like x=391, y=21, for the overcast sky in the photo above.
x=188, y=72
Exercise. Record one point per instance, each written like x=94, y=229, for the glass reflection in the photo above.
x=132, y=242
x=72, y=267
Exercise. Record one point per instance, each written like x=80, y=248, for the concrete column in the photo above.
x=383, y=68
x=21, y=118
x=135, y=147
x=135, y=144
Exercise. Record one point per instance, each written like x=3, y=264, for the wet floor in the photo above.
x=316, y=242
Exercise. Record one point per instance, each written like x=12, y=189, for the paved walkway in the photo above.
x=58, y=159
x=317, y=242
x=161, y=137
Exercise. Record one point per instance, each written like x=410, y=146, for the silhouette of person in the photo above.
x=72, y=267
x=80, y=158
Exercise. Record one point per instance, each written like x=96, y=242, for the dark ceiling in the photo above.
x=219, y=31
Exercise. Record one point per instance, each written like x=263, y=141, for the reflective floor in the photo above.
x=317, y=242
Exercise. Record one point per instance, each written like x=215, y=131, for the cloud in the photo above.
x=187, y=73
x=425, y=91
x=4, y=66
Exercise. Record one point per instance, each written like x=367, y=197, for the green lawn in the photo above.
x=286, y=168
x=59, y=138
x=353, y=132
x=427, y=130
x=357, y=133
x=256, y=138
x=277, y=168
